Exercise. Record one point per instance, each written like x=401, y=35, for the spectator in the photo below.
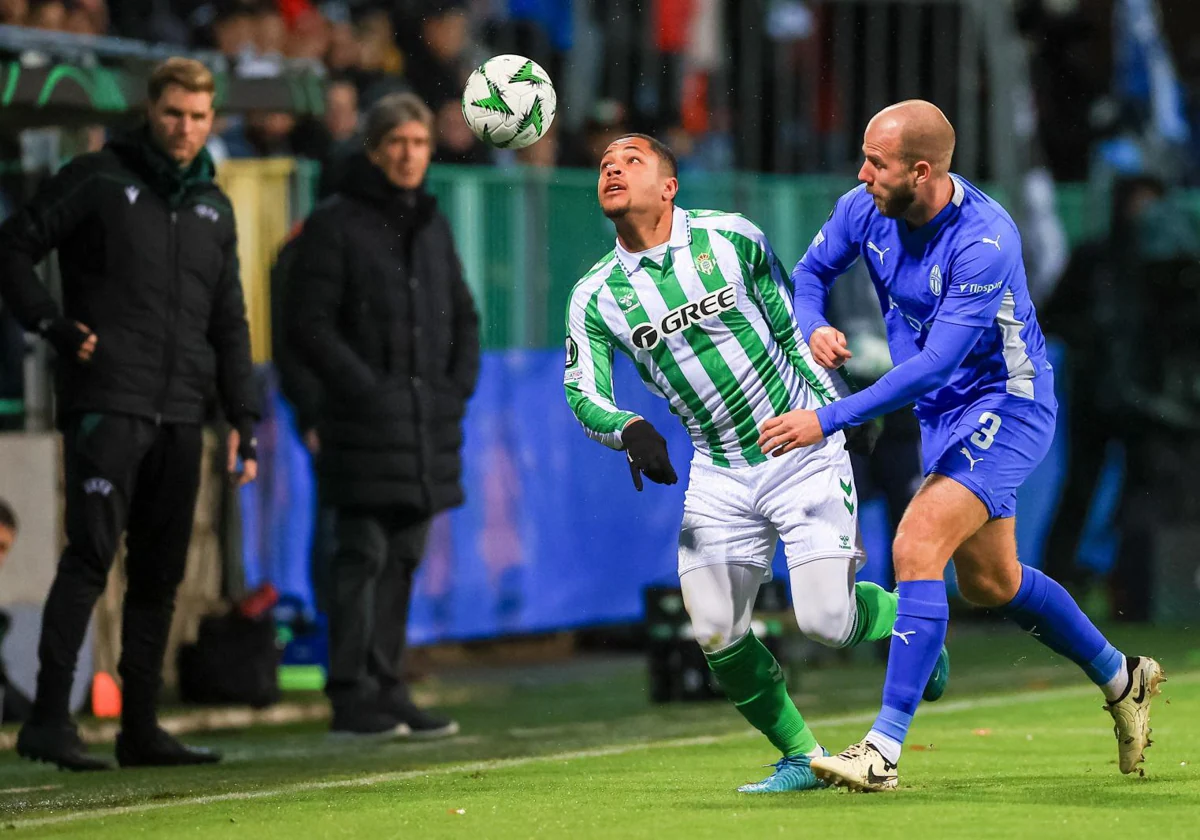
x=345, y=52
x=47, y=14
x=1107, y=310
x=143, y=336
x=379, y=310
x=437, y=68
x=436, y=65
x=333, y=139
x=1085, y=312
x=608, y=121
x=233, y=31
x=14, y=706
x=341, y=110
x=310, y=37
x=87, y=17
x=270, y=33
x=260, y=134
x=14, y=12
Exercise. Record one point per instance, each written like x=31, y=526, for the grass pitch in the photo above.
x=1019, y=747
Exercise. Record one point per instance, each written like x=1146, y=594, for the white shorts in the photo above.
x=807, y=498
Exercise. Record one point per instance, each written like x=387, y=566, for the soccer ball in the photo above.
x=509, y=102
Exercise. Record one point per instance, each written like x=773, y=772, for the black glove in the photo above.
x=861, y=440
x=247, y=442
x=647, y=451
x=64, y=335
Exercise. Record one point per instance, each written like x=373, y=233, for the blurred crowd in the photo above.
x=674, y=79
x=366, y=49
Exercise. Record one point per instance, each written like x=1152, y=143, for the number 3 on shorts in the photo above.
x=987, y=432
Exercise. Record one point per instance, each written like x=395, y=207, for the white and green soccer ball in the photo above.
x=509, y=102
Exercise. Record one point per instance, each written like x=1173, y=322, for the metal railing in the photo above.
x=797, y=92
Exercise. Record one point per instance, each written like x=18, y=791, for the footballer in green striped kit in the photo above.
x=700, y=304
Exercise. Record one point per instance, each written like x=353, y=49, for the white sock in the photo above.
x=888, y=747
x=1115, y=688
x=817, y=752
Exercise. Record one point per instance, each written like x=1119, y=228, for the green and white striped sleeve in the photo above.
x=588, y=376
x=771, y=289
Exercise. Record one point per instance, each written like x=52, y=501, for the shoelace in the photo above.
x=856, y=750
x=790, y=761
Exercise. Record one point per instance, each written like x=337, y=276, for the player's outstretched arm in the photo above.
x=945, y=349
x=981, y=276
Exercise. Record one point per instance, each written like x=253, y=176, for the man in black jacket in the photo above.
x=378, y=308
x=152, y=318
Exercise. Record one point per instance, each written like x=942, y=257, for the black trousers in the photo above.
x=370, y=585
x=123, y=475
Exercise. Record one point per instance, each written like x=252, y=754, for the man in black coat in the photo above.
x=378, y=308
x=152, y=320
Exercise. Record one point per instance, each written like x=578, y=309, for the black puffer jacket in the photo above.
x=148, y=255
x=378, y=308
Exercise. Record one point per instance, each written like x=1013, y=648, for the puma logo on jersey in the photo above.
x=871, y=246
x=903, y=636
x=206, y=212
x=973, y=461
x=131, y=193
x=647, y=336
x=995, y=241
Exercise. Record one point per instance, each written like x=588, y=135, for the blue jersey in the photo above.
x=963, y=267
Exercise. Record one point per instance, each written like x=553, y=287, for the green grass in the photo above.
x=1018, y=748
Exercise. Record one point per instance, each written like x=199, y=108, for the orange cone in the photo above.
x=106, y=696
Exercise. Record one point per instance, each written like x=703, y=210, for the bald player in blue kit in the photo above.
x=945, y=260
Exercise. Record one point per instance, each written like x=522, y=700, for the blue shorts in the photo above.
x=992, y=445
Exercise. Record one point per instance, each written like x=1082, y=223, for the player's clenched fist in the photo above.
x=647, y=451
x=829, y=347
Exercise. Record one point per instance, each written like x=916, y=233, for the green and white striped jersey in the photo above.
x=711, y=329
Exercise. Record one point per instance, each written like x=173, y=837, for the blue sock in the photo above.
x=1042, y=607
x=917, y=640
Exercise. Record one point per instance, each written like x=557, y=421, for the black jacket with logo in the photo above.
x=147, y=254
x=378, y=307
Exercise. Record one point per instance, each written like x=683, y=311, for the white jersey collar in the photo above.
x=681, y=237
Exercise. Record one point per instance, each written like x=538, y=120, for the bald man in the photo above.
x=946, y=263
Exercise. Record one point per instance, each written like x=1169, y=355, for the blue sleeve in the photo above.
x=832, y=252
x=948, y=344
x=979, y=277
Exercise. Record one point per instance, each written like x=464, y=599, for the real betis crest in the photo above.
x=705, y=263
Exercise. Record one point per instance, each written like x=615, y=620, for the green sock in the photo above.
x=753, y=680
x=876, y=613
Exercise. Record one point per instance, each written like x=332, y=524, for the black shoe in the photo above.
x=58, y=743
x=366, y=723
x=160, y=749
x=421, y=723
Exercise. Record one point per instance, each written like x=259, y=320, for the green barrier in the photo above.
x=12, y=407
x=525, y=236
x=301, y=678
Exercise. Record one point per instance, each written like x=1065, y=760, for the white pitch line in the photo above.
x=930, y=710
